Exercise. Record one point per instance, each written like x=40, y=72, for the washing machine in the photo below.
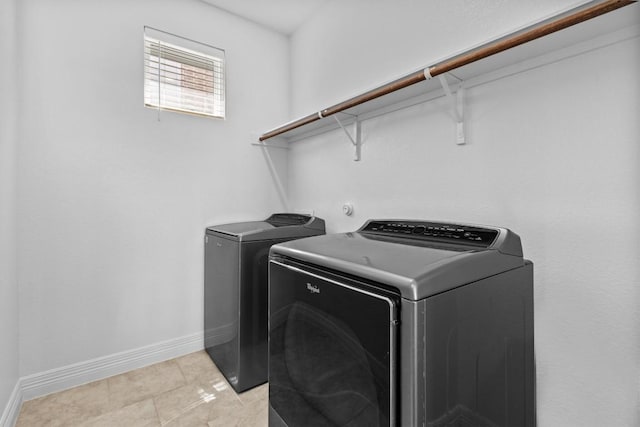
x=235, y=292
x=402, y=323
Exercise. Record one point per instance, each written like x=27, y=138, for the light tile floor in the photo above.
x=185, y=392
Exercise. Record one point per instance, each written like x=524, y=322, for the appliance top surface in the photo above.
x=417, y=260
x=277, y=226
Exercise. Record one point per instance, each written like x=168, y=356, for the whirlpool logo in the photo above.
x=313, y=288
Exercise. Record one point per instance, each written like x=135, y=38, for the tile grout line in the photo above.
x=153, y=397
x=155, y=408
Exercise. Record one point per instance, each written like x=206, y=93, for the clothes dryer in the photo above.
x=402, y=323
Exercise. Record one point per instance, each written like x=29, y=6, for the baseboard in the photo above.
x=10, y=414
x=59, y=379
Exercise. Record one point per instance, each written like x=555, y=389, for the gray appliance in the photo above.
x=235, y=292
x=402, y=323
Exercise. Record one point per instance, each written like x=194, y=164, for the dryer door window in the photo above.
x=331, y=350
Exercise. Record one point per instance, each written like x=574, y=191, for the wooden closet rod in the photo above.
x=581, y=14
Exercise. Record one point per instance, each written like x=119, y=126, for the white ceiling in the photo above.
x=284, y=16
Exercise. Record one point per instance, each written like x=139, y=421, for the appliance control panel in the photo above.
x=433, y=231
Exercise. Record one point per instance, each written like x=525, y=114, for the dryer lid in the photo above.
x=416, y=261
x=277, y=226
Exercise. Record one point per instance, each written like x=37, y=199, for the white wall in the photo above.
x=113, y=203
x=8, y=146
x=553, y=155
x=355, y=45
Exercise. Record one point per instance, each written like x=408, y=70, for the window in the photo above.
x=183, y=75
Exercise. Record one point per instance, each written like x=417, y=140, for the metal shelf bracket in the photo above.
x=355, y=140
x=273, y=170
x=265, y=145
x=457, y=108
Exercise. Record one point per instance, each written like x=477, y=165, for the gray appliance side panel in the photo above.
x=413, y=364
x=479, y=350
x=221, y=297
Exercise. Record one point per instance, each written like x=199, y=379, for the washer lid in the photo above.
x=403, y=254
x=277, y=226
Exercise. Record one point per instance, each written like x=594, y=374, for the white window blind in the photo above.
x=183, y=75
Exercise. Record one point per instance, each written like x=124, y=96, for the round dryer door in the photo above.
x=331, y=349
